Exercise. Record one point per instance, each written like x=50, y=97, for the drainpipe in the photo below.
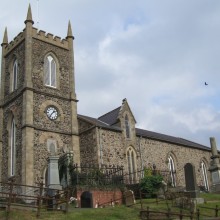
x=141, y=156
x=100, y=147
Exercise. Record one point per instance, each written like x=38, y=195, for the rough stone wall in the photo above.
x=40, y=50
x=14, y=107
x=156, y=152
x=60, y=129
x=41, y=121
x=41, y=152
x=83, y=126
x=89, y=147
x=19, y=54
x=113, y=149
x=148, y=152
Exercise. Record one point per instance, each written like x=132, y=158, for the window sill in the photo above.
x=51, y=87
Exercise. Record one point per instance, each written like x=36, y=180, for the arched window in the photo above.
x=15, y=76
x=172, y=171
x=131, y=165
x=50, y=71
x=127, y=127
x=13, y=148
x=204, y=175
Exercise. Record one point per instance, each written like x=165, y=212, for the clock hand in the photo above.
x=52, y=113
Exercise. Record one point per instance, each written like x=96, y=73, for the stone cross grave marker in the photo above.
x=190, y=179
x=129, y=198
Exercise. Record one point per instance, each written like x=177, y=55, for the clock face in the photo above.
x=52, y=113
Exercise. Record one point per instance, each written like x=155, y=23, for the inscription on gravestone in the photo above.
x=190, y=179
x=129, y=198
x=215, y=177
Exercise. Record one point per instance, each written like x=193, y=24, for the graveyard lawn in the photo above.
x=117, y=212
x=108, y=213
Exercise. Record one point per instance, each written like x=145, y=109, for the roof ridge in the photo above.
x=157, y=132
x=192, y=141
x=182, y=140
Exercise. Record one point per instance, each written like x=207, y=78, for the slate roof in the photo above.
x=170, y=139
x=110, y=117
x=98, y=122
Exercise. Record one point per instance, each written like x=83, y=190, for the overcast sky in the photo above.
x=156, y=53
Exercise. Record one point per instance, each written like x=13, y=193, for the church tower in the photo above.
x=38, y=105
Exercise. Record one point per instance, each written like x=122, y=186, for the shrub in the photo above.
x=150, y=183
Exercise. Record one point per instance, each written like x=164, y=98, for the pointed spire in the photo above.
x=69, y=32
x=5, y=38
x=29, y=15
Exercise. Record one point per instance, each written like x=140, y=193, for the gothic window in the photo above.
x=15, y=75
x=131, y=165
x=50, y=71
x=13, y=148
x=127, y=127
x=172, y=171
x=204, y=176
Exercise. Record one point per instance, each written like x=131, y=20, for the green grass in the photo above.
x=115, y=213
x=120, y=212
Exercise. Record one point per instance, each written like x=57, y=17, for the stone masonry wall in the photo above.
x=148, y=151
x=41, y=121
x=89, y=147
x=156, y=152
x=60, y=129
x=41, y=152
x=40, y=50
x=83, y=126
x=113, y=149
x=12, y=109
x=19, y=54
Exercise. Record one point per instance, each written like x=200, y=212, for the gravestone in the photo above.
x=192, y=189
x=129, y=198
x=190, y=179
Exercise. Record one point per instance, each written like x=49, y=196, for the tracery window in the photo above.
x=15, y=76
x=127, y=127
x=131, y=155
x=204, y=175
x=13, y=148
x=50, y=71
x=172, y=171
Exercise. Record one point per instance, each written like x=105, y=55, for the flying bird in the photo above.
x=206, y=83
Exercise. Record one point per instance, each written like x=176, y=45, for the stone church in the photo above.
x=39, y=118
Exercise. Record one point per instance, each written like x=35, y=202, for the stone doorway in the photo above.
x=86, y=200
